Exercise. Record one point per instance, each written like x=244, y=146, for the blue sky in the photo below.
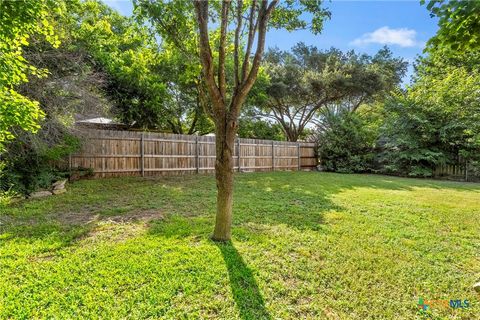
x=364, y=26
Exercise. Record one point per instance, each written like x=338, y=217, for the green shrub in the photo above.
x=252, y=128
x=418, y=136
x=346, y=143
x=34, y=162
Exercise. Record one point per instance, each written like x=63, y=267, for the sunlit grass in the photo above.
x=305, y=245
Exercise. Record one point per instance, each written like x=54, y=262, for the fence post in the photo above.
x=298, y=149
x=197, y=162
x=273, y=155
x=238, y=155
x=466, y=170
x=142, y=155
x=103, y=159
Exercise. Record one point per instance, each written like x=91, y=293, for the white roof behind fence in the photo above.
x=97, y=120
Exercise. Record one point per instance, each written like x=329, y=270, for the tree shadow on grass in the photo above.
x=244, y=287
x=295, y=199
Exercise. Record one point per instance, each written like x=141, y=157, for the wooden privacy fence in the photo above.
x=461, y=171
x=118, y=153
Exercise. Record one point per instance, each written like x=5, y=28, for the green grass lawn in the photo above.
x=305, y=245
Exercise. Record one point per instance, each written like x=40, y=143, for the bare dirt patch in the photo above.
x=78, y=218
x=137, y=215
x=119, y=228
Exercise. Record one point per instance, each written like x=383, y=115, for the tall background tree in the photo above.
x=19, y=22
x=307, y=84
x=184, y=106
x=434, y=122
x=459, y=22
x=219, y=28
x=431, y=122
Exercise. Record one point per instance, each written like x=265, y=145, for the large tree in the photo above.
x=459, y=22
x=184, y=105
x=218, y=29
x=307, y=81
x=436, y=120
x=19, y=22
x=128, y=55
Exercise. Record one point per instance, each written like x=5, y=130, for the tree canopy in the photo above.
x=19, y=22
x=459, y=22
x=307, y=80
x=434, y=122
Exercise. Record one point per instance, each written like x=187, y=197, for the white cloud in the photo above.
x=402, y=37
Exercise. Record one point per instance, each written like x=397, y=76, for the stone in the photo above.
x=16, y=199
x=476, y=286
x=59, y=191
x=40, y=194
x=60, y=184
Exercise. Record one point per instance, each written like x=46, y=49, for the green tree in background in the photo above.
x=306, y=81
x=128, y=55
x=459, y=25
x=19, y=21
x=347, y=143
x=257, y=128
x=184, y=106
x=434, y=122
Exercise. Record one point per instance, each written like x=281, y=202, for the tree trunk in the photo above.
x=225, y=141
x=292, y=136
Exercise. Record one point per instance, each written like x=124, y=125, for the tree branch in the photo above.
x=201, y=10
x=263, y=16
x=238, y=30
x=221, y=49
x=252, y=26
